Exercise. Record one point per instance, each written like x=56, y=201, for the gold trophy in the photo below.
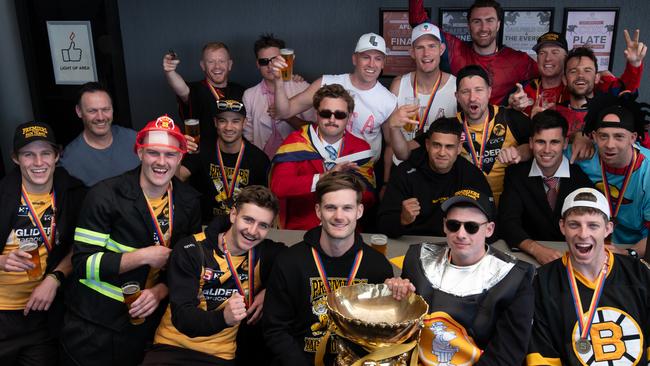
x=374, y=329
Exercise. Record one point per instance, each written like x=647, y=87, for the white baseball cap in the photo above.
x=424, y=29
x=601, y=203
x=371, y=41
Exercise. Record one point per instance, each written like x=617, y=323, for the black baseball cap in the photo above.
x=480, y=200
x=624, y=115
x=553, y=38
x=29, y=132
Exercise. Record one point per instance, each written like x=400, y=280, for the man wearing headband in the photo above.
x=262, y=127
x=197, y=99
x=221, y=170
x=228, y=265
x=40, y=205
x=315, y=151
x=127, y=227
x=610, y=292
x=620, y=169
x=480, y=299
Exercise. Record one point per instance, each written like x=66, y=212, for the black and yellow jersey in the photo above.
x=200, y=283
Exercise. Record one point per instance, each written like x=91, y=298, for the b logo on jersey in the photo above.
x=443, y=341
x=615, y=338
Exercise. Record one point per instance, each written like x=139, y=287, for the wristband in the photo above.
x=57, y=275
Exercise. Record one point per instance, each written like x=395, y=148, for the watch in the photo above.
x=59, y=276
x=633, y=253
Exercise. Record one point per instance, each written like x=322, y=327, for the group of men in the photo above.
x=549, y=151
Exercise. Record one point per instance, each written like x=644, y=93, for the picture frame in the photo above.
x=595, y=28
x=394, y=27
x=522, y=26
x=454, y=21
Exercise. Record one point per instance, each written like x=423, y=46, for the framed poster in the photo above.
x=73, y=55
x=454, y=21
x=522, y=27
x=594, y=28
x=395, y=28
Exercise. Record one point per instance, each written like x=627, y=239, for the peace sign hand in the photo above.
x=634, y=51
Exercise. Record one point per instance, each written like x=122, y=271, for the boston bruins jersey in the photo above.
x=620, y=329
x=200, y=282
x=477, y=312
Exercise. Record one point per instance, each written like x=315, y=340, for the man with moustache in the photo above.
x=504, y=65
x=126, y=230
x=330, y=256
x=221, y=170
x=535, y=95
x=479, y=297
x=315, y=151
x=608, y=291
x=533, y=191
x=40, y=204
x=420, y=185
x=228, y=265
x=262, y=128
x=103, y=150
x=373, y=103
x=620, y=169
x=493, y=137
x=197, y=99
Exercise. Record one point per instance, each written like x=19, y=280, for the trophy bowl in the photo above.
x=369, y=315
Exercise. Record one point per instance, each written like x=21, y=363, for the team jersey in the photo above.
x=633, y=218
x=619, y=331
x=506, y=128
x=16, y=287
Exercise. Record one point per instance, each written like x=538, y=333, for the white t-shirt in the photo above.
x=443, y=105
x=371, y=109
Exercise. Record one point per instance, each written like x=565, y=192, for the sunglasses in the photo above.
x=229, y=105
x=327, y=114
x=471, y=227
x=264, y=61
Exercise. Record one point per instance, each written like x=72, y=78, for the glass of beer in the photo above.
x=193, y=130
x=379, y=242
x=288, y=55
x=414, y=101
x=30, y=246
x=131, y=292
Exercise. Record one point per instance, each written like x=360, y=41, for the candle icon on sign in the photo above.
x=72, y=53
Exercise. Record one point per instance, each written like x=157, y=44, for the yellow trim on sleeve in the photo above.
x=535, y=359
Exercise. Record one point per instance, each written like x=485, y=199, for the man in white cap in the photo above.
x=609, y=291
x=373, y=102
x=125, y=233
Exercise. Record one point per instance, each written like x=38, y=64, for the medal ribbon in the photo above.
x=235, y=276
x=154, y=219
x=478, y=159
x=585, y=320
x=48, y=240
x=230, y=187
x=626, y=180
x=218, y=94
x=323, y=275
x=422, y=119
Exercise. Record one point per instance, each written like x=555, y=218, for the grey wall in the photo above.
x=15, y=102
x=323, y=33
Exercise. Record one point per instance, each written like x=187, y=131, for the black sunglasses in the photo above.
x=471, y=227
x=326, y=113
x=264, y=61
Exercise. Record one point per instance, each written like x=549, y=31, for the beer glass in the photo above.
x=131, y=292
x=31, y=246
x=410, y=127
x=192, y=129
x=288, y=55
x=379, y=242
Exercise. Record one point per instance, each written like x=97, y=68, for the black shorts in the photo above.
x=165, y=355
x=26, y=340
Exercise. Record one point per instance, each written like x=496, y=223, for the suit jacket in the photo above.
x=524, y=212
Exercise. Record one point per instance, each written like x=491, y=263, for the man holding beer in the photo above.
x=126, y=230
x=196, y=100
x=40, y=204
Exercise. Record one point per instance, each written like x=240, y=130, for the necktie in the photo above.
x=551, y=195
x=331, y=151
